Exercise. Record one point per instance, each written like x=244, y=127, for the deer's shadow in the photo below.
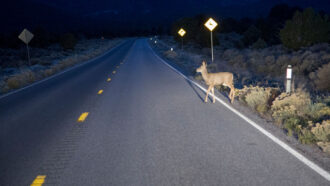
x=210, y=97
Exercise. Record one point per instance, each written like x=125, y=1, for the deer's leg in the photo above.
x=232, y=94
x=213, y=95
x=207, y=93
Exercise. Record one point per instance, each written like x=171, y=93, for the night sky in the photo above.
x=131, y=14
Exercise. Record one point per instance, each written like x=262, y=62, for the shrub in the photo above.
x=170, y=54
x=258, y=98
x=260, y=44
x=305, y=29
x=286, y=106
x=322, y=131
x=306, y=137
x=21, y=79
x=321, y=78
x=318, y=111
x=68, y=41
x=294, y=125
x=325, y=146
x=251, y=35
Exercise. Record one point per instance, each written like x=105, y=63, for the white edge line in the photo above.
x=292, y=151
x=62, y=72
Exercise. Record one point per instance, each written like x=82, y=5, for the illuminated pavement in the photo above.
x=127, y=119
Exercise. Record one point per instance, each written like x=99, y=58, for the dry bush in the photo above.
x=318, y=111
x=322, y=131
x=294, y=125
x=305, y=136
x=325, y=146
x=170, y=54
x=286, y=106
x=321, y=78
x=258, y=98
x=21, y=79
x=240, y=59
x=48, y=72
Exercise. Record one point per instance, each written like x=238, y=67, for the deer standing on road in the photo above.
x=220, y=78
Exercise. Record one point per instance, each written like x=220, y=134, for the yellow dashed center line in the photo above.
x=100, y=91
x=114, y=72
x=40, y=179
x=109, y=79
x=83, y=116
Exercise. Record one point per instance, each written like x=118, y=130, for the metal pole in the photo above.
x=181, y=43
x=28, y=53
x=212, y=46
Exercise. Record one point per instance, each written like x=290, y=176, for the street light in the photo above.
x=181, y=32
x=211, y=24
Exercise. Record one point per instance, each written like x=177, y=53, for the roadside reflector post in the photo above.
x=26, y=36
x=171, y=49
x=288, y=79
x=211, y=24
x=181, y=32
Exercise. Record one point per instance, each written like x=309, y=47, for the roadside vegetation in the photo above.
x=258, y=53
x=47, y=60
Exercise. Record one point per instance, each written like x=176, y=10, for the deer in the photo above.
x=219, y=78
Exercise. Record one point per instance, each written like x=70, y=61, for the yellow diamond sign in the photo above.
x=182, y=32
x=211, y=24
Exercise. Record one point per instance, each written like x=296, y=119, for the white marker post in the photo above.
x=181, y=32
x=171, y=49
x=26, y=36
x=211, y=24
x=288, y=79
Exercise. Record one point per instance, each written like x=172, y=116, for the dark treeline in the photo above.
x=258, y=32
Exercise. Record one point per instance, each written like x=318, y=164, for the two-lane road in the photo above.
x=148, y=127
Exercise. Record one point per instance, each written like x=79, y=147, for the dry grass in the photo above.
x=87, y=50
x=21, y=79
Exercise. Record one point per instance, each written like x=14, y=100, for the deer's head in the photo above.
x=201, y=68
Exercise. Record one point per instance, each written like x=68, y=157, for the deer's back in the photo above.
x=219, y=78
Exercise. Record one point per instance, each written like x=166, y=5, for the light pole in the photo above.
x=181, y=32
x=211, y=24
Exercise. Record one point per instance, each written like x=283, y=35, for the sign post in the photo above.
x=26, y=36
x=181, y=32
x=211, y=24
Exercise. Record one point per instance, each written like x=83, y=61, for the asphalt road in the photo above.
x=148, y=127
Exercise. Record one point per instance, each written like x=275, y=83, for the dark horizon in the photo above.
x=130, y=15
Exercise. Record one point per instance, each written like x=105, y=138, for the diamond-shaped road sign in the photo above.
x=25, y=36
x=211, y=24
x=182, y=32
